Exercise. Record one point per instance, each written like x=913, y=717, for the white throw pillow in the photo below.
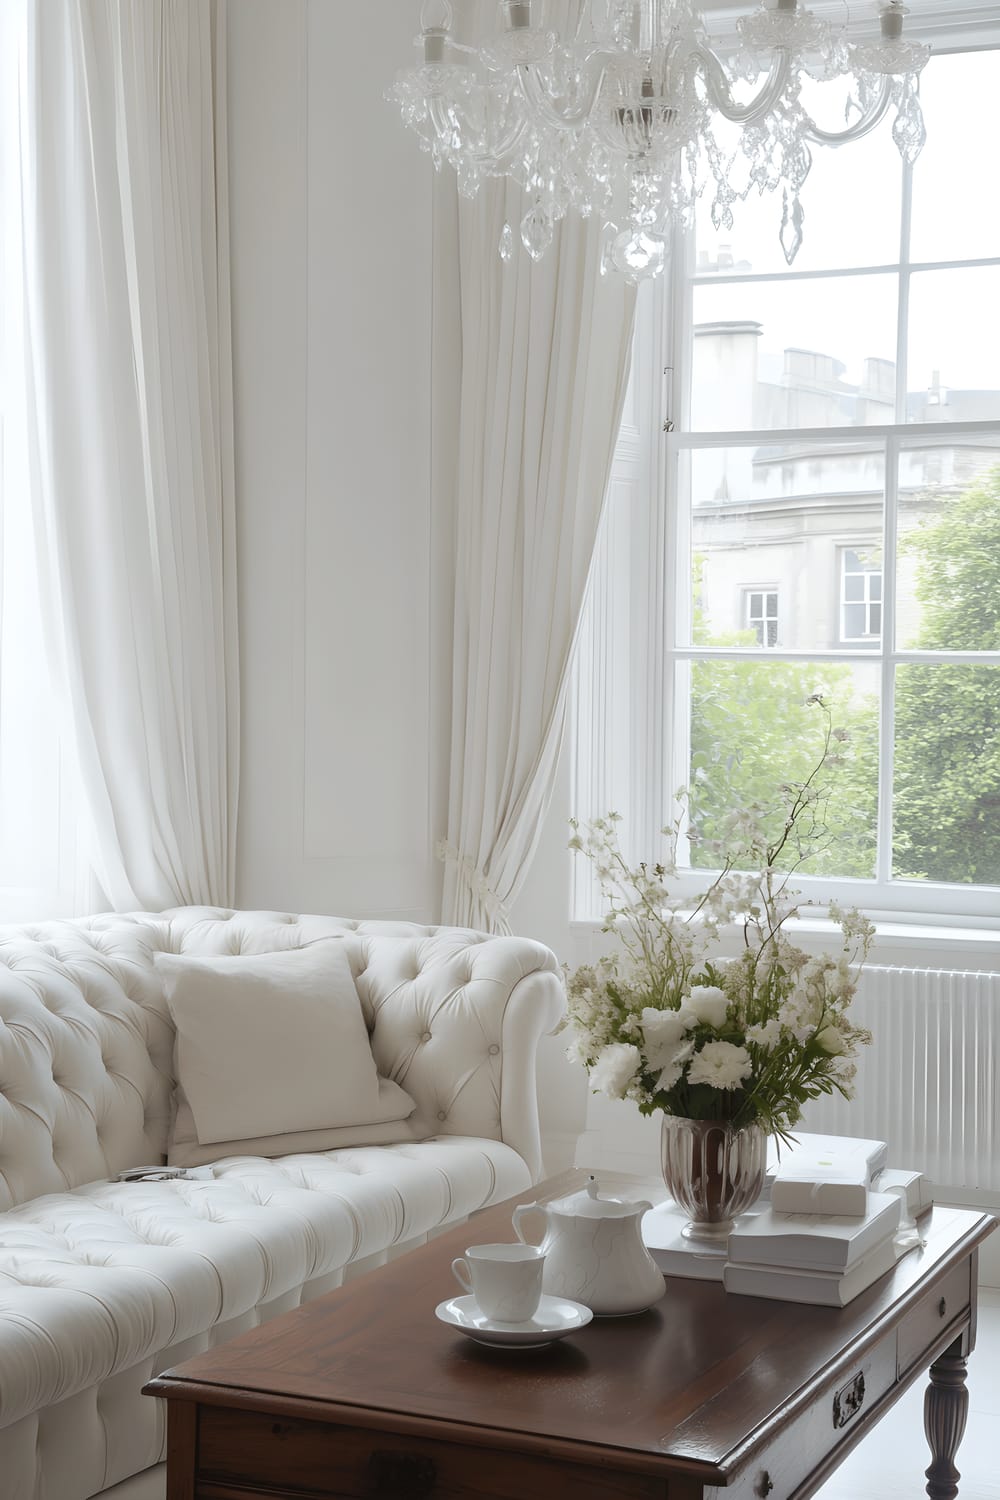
x=271, y=1043
x=397, y=1123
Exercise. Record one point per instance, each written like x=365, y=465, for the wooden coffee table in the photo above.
x=365, y=1393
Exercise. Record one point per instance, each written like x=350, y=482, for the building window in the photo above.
x=860, y=596
x=834, y=429
x=760, y=614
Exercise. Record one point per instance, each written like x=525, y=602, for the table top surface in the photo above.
x=698, y=1379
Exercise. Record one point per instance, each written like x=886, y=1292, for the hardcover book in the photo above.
x=821, y=1242
x=824, y=1154
x=821, y=1190
x=675, y=1255
x=822, y=1288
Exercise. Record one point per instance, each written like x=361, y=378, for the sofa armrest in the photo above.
x=457, y=1019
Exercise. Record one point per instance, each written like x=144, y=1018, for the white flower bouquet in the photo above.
x=670, y=1023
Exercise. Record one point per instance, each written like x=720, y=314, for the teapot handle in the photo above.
x=518, y=1214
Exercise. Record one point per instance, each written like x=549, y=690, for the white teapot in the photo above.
x=594, y=1252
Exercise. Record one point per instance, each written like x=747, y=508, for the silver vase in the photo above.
x=712, y=1172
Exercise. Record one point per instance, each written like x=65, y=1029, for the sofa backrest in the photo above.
x=86, y=1042
x=85, y=1053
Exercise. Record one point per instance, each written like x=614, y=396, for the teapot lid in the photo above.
x=587, y=1205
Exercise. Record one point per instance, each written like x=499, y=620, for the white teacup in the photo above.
x=506, y=1280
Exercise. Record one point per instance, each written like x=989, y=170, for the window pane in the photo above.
x=946, y=804
x=954, y=218
x=954, y=349
x=753, y=731
x=948, y=582
x=786, y=517
x=867, y=175
x=794, y=354
x=855, y=622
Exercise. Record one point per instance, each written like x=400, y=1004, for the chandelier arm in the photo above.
x=479, y=158
x=873, y=116
x=721, y=95
x=536, y=98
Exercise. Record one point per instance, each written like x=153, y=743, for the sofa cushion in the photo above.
x=97, y=1280
x=273, y=1043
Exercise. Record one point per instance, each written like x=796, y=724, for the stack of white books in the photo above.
x=831, y=1232
x=810, y=1257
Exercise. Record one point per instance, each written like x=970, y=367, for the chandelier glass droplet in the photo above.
x=617, y=116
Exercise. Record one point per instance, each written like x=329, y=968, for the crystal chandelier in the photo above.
x=618, y=114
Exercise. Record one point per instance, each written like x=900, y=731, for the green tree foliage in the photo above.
x=947, y=766
x=753, y=731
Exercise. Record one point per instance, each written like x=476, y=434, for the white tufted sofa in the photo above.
x=103, y=1283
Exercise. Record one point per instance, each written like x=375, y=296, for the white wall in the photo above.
x=344, y=564
x=331, y=241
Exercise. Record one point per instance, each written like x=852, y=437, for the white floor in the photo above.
x=889, y=1464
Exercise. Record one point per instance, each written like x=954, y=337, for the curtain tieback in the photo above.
x=476, y=881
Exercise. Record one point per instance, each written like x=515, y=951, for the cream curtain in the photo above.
x=129, y=415
x=545, y=357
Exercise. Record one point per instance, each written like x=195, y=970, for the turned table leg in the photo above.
x=946, y=1406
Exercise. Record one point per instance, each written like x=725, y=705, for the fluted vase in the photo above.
x=712, y=1172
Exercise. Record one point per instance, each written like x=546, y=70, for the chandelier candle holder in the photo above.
x=617, y=114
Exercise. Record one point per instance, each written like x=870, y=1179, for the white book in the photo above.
x=815, y=1242
x=825, y=1153
x=822, y=1288
x=912, y=1187
x=673, y=1253
x=819, y=1189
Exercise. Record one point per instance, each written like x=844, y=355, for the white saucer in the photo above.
x=556, y=1316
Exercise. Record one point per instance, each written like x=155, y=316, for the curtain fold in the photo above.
x=545, y=361
x=129, y=404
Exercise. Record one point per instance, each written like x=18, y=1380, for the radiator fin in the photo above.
x=928, y=1083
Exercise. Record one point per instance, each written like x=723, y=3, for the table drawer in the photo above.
x=238, y=1450
x=948, y=1300
x=828, y=1423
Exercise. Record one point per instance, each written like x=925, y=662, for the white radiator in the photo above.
x=928, y=1084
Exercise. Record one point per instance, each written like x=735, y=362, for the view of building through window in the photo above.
x=836, y=521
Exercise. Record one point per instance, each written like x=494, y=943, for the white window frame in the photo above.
x=639, y=780
x=868, y=637
x=749, y=621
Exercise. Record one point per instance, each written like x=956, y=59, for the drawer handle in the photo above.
x=942, y=1308
x=765, y=1485
x=408, y=1476
x=847, y=1403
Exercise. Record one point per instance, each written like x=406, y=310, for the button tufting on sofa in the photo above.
x=101, y=1282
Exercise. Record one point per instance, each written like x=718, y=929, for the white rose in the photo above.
x=708, y=1004
x=720, y=1064
x=831, y=1040
x=662, y=1031
x=615, y=1069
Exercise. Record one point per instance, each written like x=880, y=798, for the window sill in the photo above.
x=906, y=941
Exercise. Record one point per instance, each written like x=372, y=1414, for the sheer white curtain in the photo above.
x=545, y=359
x=128, y=375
